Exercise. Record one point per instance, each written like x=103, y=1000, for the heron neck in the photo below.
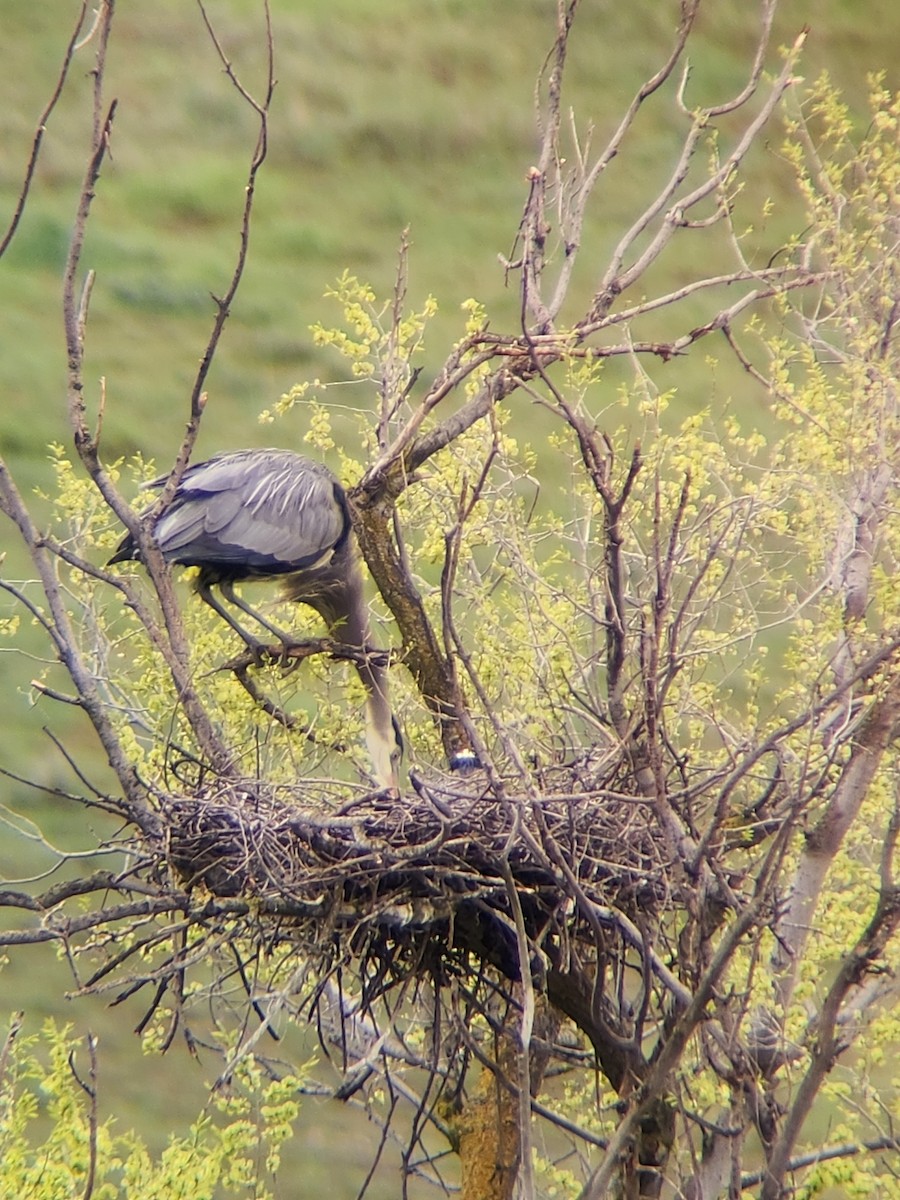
x=352, y=627
x=350, y=621
x=337, y=595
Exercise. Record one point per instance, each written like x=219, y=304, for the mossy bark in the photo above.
x=490, y=1143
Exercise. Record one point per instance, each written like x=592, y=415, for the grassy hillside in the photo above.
x=398, y=113
x=385, y=116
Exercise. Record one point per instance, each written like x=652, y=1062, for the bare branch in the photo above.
x=827, y=1046
x=41, y=129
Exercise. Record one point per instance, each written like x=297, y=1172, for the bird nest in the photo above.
x=455, y=863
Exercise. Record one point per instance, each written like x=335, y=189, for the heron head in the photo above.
x=385, y=743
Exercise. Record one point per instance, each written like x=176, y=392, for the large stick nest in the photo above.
x=440, y=861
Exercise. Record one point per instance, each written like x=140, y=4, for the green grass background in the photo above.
x=399, y=113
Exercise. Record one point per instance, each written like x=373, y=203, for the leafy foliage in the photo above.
x=52, y=1144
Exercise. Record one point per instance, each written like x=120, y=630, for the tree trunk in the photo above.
x=489, y=1137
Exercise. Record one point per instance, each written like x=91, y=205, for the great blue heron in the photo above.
x=272, y=514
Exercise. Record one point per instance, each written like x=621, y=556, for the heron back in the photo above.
x=251, y=513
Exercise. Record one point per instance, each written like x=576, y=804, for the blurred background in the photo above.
x=387, y=115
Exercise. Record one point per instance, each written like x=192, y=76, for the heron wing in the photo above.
x=262, y=510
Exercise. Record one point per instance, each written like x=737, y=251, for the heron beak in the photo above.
x=385, y=751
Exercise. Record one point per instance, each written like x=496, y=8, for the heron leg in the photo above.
x=205, y=592
x=227, y=590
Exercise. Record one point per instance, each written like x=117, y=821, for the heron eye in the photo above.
x=400, y=748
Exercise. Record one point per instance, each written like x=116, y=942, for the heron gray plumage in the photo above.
x=273, y=514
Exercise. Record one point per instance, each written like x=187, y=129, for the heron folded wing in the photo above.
x=292, y=544
x=271, y=511
x=246, y=471
x=179, y=526
x=223, y=472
